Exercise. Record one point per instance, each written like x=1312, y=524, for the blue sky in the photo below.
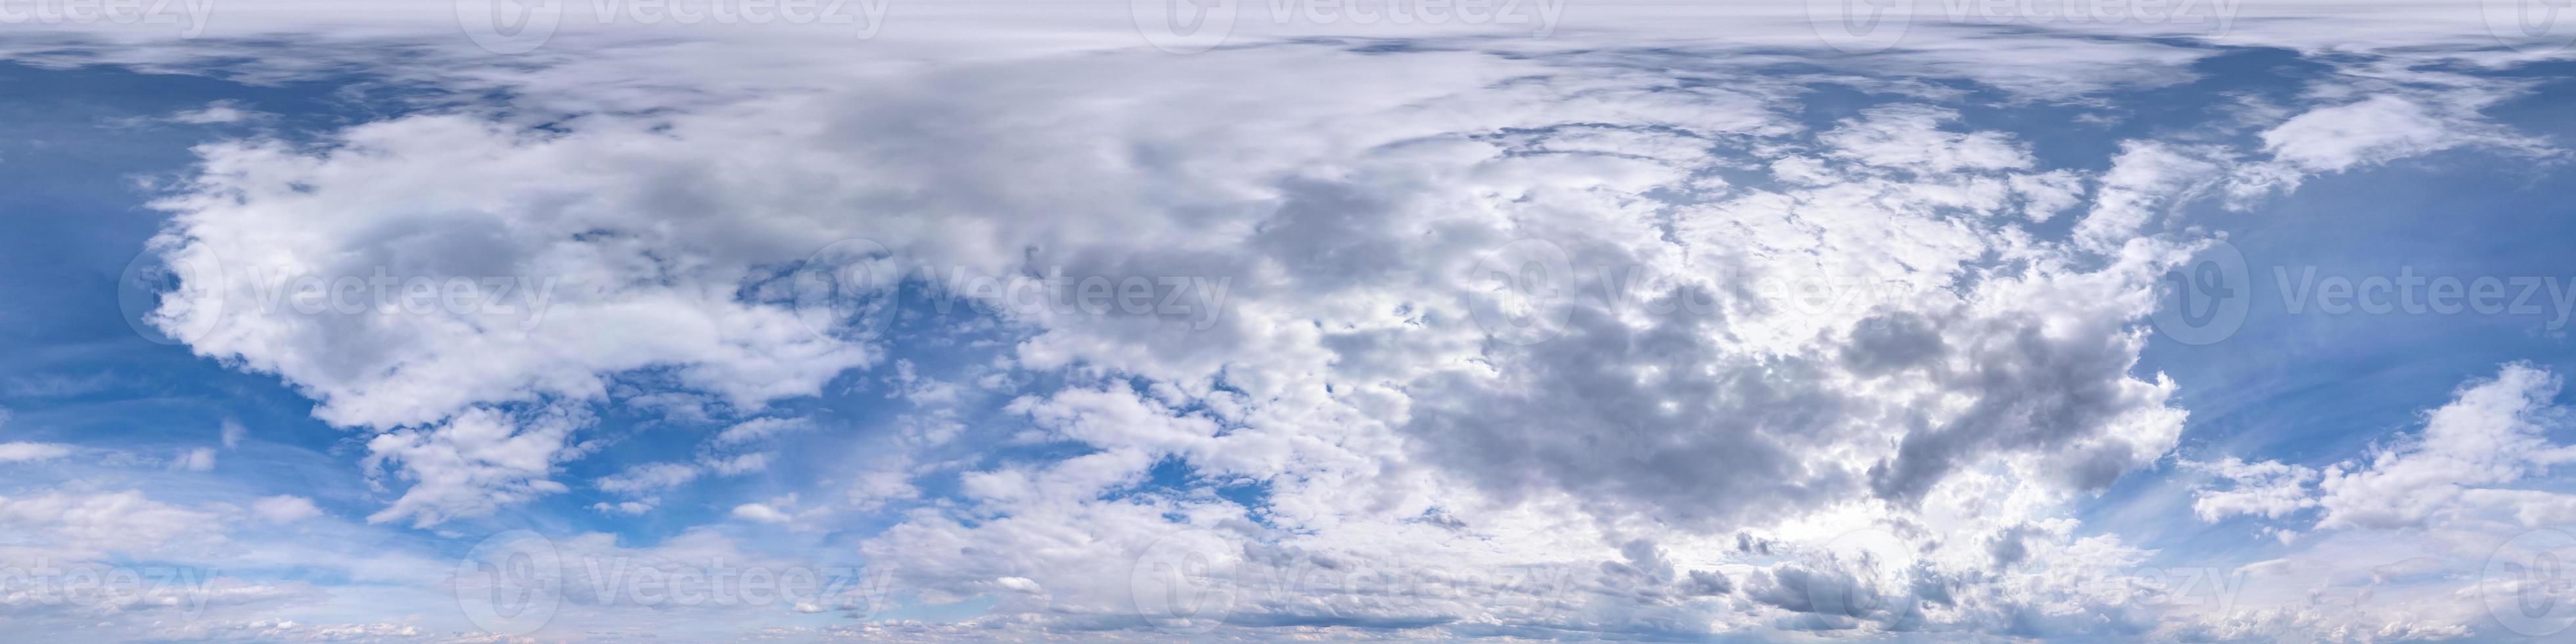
x=796, y=303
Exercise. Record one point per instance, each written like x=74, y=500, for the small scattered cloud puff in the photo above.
x=198, y=459
x=217, y=113
x=284, y=508
x=629, y=508
x=22, y=451
x=760, y=513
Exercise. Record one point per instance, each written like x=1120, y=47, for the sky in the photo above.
x=974, y=320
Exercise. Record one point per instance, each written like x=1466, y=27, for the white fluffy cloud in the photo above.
x=195, y=459
x=649, y=478
x=2268, y=489
x=20, y=451
x=284, y=508
x=475, y=463
x=91, y=524
x=1774, y=375
x=2493, y=433
x=2404, y=541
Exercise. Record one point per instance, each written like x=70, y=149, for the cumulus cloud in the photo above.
x=2447, y=480
x=2268, y=489
x=2493, y=432
x=475, y=463
x=2375, y=130
x=1778, y=373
